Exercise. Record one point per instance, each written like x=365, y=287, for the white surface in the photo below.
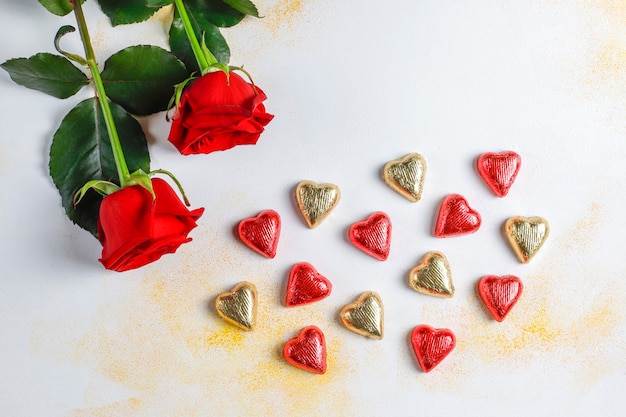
x=353, y=85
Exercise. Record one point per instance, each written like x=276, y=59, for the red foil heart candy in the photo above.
x=261, y=233
x=307, y=350
x=498, y=170
x=372, y=235
x=431, y=345
x=456, y=217
x=305, y=285
x=500, y=294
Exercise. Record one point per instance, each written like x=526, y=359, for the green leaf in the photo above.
x=214, y=11
x=179, y=44
x=81, y=152
x=141, y=178
x=158, y=3
x=58, y=7
x=52, y=74
x=122, y=12
x=243, y=6
x=100, y=186
x=142, y=78
x=64, y=30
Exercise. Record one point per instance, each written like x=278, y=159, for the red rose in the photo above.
x=217, y=113
x=135, y=230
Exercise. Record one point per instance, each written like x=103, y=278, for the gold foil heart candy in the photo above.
x=316, y=201
x=432, y=276
x=526, y=235
x=238, y=306
x=406, y=176
x=365, y=315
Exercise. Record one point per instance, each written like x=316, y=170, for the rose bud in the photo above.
x=217, y=112
x=136, y=228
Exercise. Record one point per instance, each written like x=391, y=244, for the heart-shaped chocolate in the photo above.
x=316, y=201
x=238, y=306
x=306, y=285
x=500, y=294
x=526, y=235
x=456, y=217
x=365, y=315
x=372, y=235
x=498, y=170
x=307, y=350
x=261, y=233
x=431, y=345
x=406, y=176
x=432, y=276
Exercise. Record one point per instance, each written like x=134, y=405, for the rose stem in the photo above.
x=118, y=155
x=204, y=57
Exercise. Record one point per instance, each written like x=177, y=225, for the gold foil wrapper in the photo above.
x=432, y=276
x=406, y=176
x=365, y=315
x=316, y=201
x=526, y=235
x=238, y=306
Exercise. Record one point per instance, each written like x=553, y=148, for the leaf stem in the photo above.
x=203, y=56
x=178, y=184
x=118, y=154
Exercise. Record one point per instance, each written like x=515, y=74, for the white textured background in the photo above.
x=353, y=84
